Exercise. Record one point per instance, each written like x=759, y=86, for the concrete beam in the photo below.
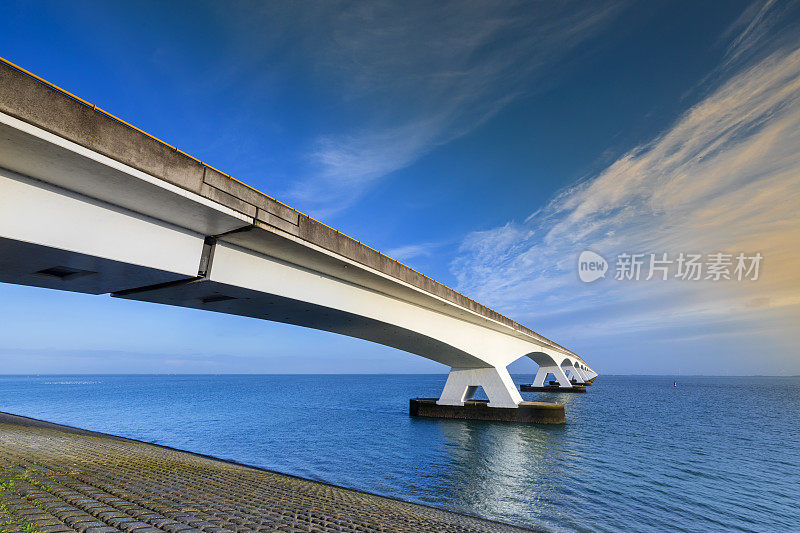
x=40, y=105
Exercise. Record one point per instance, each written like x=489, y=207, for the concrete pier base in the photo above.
x=551, y=388
x=525, y=412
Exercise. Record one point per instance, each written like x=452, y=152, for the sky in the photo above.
x=486, y=144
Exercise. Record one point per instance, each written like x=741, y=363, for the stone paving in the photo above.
x=55, y=479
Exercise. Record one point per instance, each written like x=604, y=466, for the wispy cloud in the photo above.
x=724, y=177
x=418, y=75
x=413, y=251
x=749, y=30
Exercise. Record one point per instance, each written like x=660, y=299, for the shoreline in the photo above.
x=20, y=434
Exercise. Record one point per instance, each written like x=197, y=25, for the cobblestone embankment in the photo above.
x=56, y=479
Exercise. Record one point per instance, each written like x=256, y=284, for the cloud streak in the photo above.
x=418, y=75
x=413, y=251
x=724, y=177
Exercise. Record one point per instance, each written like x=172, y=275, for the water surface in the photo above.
x=637, y=454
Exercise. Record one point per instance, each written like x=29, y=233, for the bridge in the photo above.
x=92, y=204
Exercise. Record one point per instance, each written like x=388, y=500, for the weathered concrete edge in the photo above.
x=39, y=104
x=19, y=420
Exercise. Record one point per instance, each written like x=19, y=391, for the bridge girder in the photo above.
x=72, y=219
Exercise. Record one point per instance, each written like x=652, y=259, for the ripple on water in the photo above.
x=636, y=454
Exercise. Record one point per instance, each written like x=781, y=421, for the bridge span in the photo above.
x=89, y=203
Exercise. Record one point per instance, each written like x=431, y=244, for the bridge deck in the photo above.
x=55, y=479
x=41, y=104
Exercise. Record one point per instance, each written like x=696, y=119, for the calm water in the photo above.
x=636, y=454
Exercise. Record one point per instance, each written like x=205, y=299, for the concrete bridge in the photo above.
x=91, y=204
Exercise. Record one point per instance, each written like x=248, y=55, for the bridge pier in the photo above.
x=463, y=383
x=574, y=375
x=525, y=412
x=557, y=371
x=505, y=403
x=579, y=373
x=560, y=373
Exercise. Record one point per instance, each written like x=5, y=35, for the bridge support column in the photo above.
x=576, y=375
x=463, y=383
x=556, y=370
x=584, y=376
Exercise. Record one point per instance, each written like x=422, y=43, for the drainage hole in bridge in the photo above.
x=64, y=273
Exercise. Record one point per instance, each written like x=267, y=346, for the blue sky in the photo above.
x=485, y=144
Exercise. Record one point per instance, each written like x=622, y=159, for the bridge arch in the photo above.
x=555, y=363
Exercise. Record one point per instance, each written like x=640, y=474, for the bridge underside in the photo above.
x=74, y=220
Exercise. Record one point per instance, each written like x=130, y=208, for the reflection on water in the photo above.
x=636, y=453
x=487, y=467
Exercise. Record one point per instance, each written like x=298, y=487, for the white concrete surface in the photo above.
x=66, y=209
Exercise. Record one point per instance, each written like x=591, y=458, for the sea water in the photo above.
x=636, y=453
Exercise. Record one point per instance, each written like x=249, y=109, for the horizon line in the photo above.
x=368, y=374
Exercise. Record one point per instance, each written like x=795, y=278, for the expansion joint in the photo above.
x=207, y=257
x=209, y=245
x=203, y=269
